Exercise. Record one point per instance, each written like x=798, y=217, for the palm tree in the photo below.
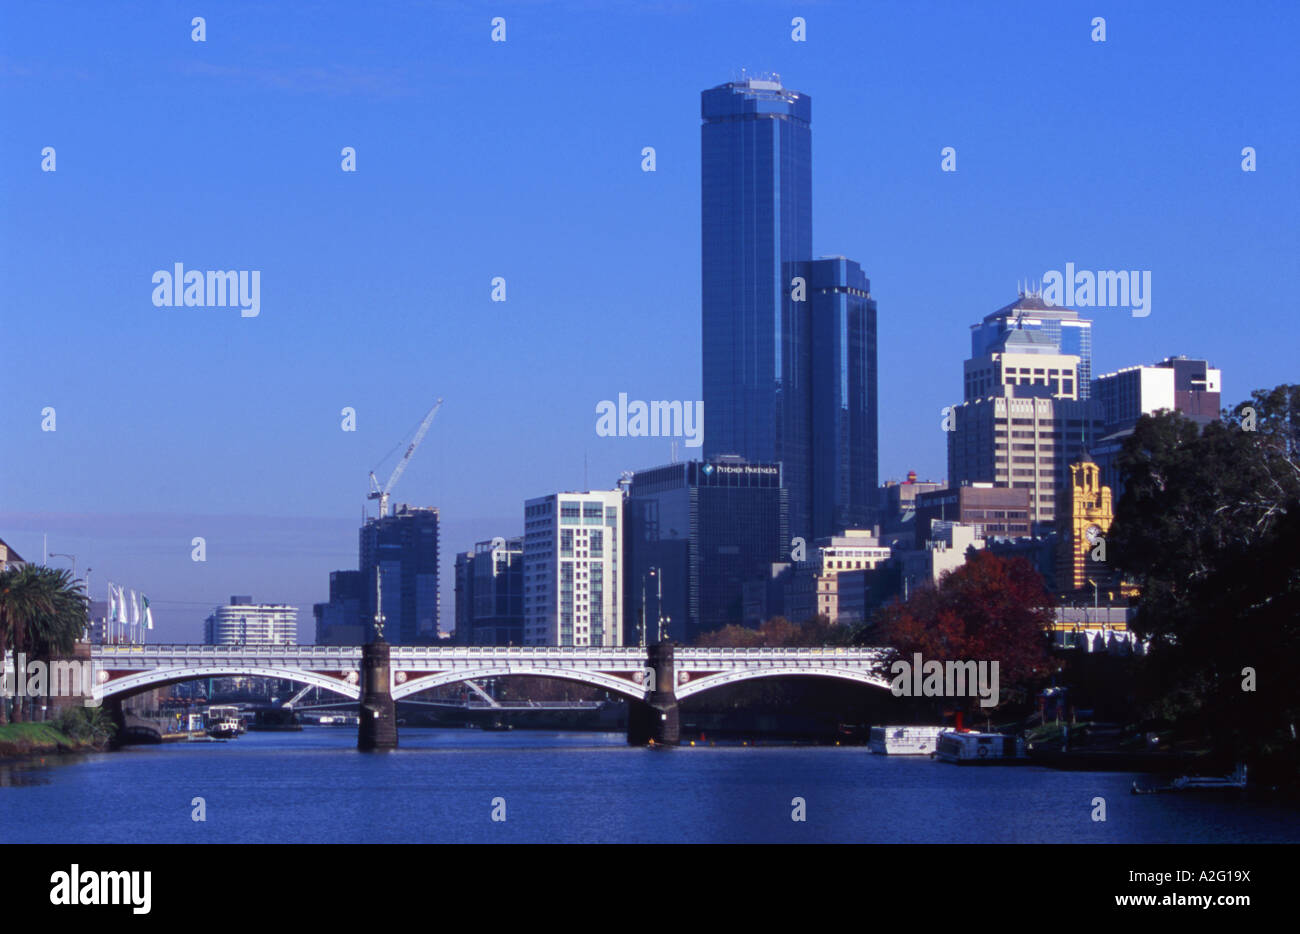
x=22, y=598
x=42, y=610
x=55, y=633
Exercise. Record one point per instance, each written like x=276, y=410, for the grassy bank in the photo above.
x=26, y=739
x=75, y=730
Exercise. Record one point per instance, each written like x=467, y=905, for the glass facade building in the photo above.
x=490, y=593
x=844, y=439
x=697, y=532
x=756, y=228
x=404, y=548
x=1062, y=327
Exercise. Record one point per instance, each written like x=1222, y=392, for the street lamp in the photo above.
x=72, y=558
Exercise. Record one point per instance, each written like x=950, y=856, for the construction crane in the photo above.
x=382, y=495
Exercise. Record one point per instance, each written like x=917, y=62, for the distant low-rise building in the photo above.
x=944, y=551
x=1096, y=629
x=243, y=622
x=994, y=511
x=855, y=550
x=896, y=506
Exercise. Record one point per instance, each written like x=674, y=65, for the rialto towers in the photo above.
x=789, y=342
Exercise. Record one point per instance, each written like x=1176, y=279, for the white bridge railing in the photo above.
x=416, y=668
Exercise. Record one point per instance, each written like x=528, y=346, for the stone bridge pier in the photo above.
x=377, y=724
x=656, y=720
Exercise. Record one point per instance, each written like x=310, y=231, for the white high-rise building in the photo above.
x=243, y=622
x=573, y=578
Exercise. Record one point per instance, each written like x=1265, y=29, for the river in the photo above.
x=314, y=786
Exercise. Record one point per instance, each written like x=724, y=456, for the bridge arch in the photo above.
x=597, y=678
x=140, y=681
x=709, y=682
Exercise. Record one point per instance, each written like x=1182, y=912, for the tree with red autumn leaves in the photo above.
x=990, y=609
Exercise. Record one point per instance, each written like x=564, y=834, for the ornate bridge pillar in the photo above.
x=656, y=719
x=378, y=716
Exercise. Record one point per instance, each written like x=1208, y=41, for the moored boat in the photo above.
x=971, y=748
x=904, y=740
x=227, y=728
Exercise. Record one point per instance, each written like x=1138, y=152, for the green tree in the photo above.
x=1209, y=527
x=42, y=614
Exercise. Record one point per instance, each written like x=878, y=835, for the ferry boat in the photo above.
x=226, y=728
x=904, y=740
x=971, y=748
x=223, y=722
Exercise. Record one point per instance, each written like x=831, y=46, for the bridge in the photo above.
x=377, y=675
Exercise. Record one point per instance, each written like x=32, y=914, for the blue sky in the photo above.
x=522, y=159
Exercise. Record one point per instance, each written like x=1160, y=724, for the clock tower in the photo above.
x=1082, y=558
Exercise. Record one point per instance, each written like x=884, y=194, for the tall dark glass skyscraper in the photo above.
x=404, y=547
x=844, y=410
x=756, y=228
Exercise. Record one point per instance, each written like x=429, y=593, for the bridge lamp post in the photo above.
x=72, y=558
x=657, y=574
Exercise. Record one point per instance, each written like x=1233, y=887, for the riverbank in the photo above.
x=24, y=740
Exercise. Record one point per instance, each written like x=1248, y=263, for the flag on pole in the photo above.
x=146, y=613
x=135, y=608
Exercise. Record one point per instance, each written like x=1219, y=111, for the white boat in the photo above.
x=224, y=729
x=971, y=748
x=222, y=722
x=904, y=740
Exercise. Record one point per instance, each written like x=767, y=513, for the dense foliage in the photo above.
x=1209, y=528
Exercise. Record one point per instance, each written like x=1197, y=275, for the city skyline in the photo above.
x=183, y=422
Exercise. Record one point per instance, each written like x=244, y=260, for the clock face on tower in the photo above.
x=1093, y=532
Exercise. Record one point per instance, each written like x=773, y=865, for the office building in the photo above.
x=756, y=228
x=696, y=533
x=490, y=593
x=845, y=451
x=994, y=512
x=1175, y=384
x=243, y=622
x=338, y=622
x=896, y=506
x=403, y=549
x=789, y=342
x=855, y=550
x=1062, y=329
x=944, y=552
x=1022, y=443
x=573, y=575
x=1026, y=415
